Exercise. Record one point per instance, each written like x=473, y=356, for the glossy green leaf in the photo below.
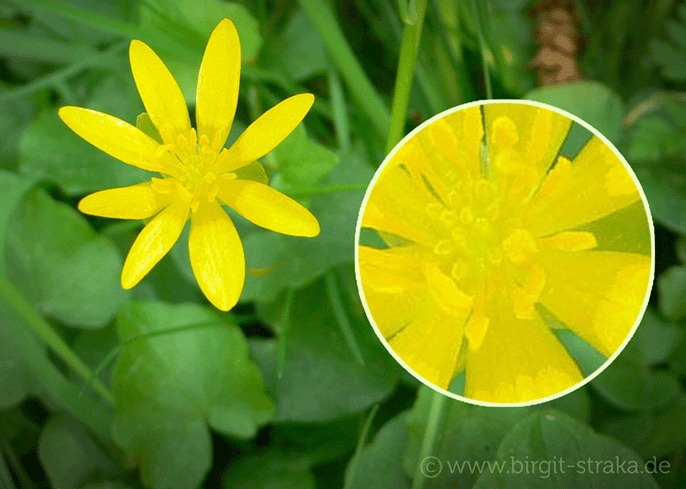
x=12, y=189
x=322, y=380
x=591, y=101
x=15, y=382
x=271, y=469
x=171, y=388
x=300, y=50
x=656, y=337
x=293, y=261
x=671, y=285
x=380, y=464
x=669, y=53
x=57, y=260
x=86, y=461
x=49, y=150
x=631, y=385
x=552, y=450
x=468, y=434
x=511, y=34
x=301, y=162
x=192, y=22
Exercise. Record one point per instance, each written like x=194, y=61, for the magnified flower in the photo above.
x=197, y=175
x=487, y=231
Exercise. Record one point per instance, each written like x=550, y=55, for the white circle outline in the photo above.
x=649, y=289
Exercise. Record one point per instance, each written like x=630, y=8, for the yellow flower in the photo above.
x=483, y=237
x=197, y=174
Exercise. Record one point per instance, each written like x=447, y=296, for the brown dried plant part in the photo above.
x=559, y=42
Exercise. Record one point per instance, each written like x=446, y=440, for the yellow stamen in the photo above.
x=569, y=241
x=519, y=247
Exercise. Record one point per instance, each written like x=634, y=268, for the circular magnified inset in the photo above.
x=505, y=252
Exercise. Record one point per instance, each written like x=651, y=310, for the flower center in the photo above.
x=193, y=159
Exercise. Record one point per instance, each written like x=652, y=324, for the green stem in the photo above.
x=340, y=112
x=348, y=65
x=355, y=461
x=22, y=306
x=5, y=477
x=300, y=193
x=403, y=80
x=484, y=50
x=342, y=320
x=431, y=432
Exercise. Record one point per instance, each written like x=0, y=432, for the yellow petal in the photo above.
x=454, y=143
x=401, y=204
x=539, y=133
x=447, y=295
x=594, y=186
x=160, y=93
x=431, y=343
x=391, y=270
x=217, y=93
x=217, y=256
x=114, y=136
x=134, y=202
x=153, y=242
x=598, y=294
x=519, y=360
x=267, y=207
x=392, y=311
x=266, y=133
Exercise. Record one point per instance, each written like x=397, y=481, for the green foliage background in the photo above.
x=292, y=389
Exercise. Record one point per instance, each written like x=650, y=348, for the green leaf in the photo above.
x=671, y=285
x=56, y=259
x=15, y=382
x=300, y=49
x=601, y=108
x=668, y=433
x=512, y=5
x=48, y=149
x=577, y=404
x=669, y=54
x=14, y=117
x=469, y=434
x=86, y=461
x=511, y=33
x=271, y=469
x=301, y=162
x=380, y=464
x=630, y=430
x=656, y=337
x=631, y=385
x=322, y=380
x=659, y=133
x=170, y=386
x=294, y=261
x=552, y=450
x=192, y=21
x=664, y=184
x=12, y=189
